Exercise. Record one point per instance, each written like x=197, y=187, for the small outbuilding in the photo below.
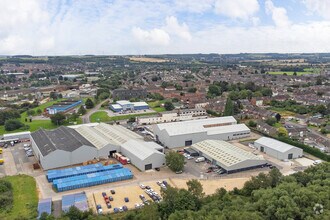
x=277, y=149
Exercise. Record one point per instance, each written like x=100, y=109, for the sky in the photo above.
x=137, y=27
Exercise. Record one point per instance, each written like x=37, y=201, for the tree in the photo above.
x=252, y=124
x=168, y=105
x=132, y=119
x=81, y=110
x=214, y=90
x=278, y=117
x=174, y=161
x=229, y=108
x=192, y=90
x=31, y=112
x=13, y=124
x=39, y=111
x=58, y=118
x=282, y=132
x=89, y=103
x=104, y=95
x=271, y=121
x=196, y=188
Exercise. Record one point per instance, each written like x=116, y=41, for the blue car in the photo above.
x=115, y=210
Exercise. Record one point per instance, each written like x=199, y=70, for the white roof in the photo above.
x=196, y=126
x=275, y=144
x=227, y=129
x=141, y=149
x=224, y=152
x=123, y=102
x=116, y=106
x=16, y=134
x=140, y=104
x=103, y=134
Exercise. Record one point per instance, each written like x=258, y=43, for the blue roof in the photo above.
x=80, y=170
x=44, y=205
x=78, y=200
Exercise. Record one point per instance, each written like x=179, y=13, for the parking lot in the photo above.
x=132, y=192
x=16, y=161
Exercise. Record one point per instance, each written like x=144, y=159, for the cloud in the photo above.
x=241, y=9
x=47, y=27
x=321, y=7
x=173, y=27
x=196, y=6
x=155, y=36
x=279, y=14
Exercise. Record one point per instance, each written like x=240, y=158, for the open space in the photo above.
x=25, y=198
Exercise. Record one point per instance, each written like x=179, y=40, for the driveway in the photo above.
x=85, y=118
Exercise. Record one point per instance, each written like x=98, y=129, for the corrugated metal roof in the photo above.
x=224, y=152
x=196, y=126
x=275, y=144
x=140, y=149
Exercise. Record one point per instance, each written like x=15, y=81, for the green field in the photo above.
x=25, y=198
x=306, y=71
x=100, y=116
x=156, y=106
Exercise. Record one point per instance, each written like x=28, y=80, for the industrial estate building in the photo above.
x=126, y=94
x=179, y=115
x=77, y=144
x=228, y=156
x=124, y=105
x=186, y=133
x=277, y=149
x=64, y=106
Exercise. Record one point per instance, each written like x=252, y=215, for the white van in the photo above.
x=200, y=159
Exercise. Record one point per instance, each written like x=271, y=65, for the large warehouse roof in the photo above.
x=142, y=150
x=224, y=153
x=103, y=134
x=227, y=129
x=274, y=144
x=95, y=137
x=195, y=126
x=62, y=138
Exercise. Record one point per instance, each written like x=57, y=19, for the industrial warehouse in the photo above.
x=124, y=105
x=186, y=133
x=277, y=149
x=81, y=143
x=227, y=156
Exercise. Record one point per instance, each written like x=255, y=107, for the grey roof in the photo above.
x=141, y=149
x=275, y=144
x=224, y=152
x=62, y=138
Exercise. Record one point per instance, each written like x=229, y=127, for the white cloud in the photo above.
x=155, y=36
x=241, y=9
x=279, y=14
x=321, y=7
x=173, y=27
x=196, y=6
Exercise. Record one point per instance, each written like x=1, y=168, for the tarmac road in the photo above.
x=85, y=118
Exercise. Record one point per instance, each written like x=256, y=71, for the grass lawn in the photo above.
x=156, y=105
x=25, y=198
x=159, y=109
x=283, y=112
x=100, y=116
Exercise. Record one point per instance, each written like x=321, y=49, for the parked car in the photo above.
x=126, y=199
x=141, y=196
x=115, y=210
x=125, y=208
x=109, y=205
x=164, y=182
x=121, y=209
x=137, y=205
x=99, y=209
x=190, y=157
x=142, y=186
x=148, y=187
x=113, y=191
x=178, y=172
x=159, y=182
x=110, y=198
x=104, y=194
x=157, y=169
